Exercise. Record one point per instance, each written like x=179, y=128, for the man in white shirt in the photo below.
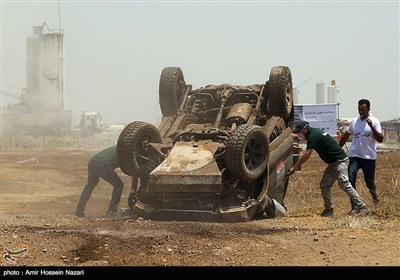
x=366, y=131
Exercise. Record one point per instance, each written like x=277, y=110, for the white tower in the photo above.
x=296, y=95
x=332, y=93
x=321, y=96
x=45, y=70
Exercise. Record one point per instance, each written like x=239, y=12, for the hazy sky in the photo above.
x=115, y=50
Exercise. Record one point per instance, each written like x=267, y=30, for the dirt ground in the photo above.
x=39, y=195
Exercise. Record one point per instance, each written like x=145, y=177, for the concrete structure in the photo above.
x=333, y=93
x=41, y=110
x=296, y=95
x=45, y=70
x=321, y=93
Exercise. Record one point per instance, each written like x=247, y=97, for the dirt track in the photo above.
x=38, y=200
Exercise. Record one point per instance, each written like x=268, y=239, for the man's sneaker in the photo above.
x=112, y=213
x=79, y=214
x=353, y=212
x=126, y=212
x=363, y=211
x=327, y=212
x=375, y=197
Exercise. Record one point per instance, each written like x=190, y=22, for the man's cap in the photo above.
x=300, y=125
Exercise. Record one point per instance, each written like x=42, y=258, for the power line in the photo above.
x=303, y=82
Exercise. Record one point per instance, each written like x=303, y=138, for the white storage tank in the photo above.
x=321, y=95
x=44, y=70
x=296, y=95
x=332, y=93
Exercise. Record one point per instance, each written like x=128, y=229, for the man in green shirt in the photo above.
x=102, y=165
x=332, y=154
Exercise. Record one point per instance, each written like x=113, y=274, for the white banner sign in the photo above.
x=321, y=116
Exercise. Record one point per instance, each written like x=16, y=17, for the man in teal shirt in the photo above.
x=332, y=154
x=102, y=165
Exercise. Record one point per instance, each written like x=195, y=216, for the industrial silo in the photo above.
x=41, y=110
x=44, y=70
x=321, y=94
x=296, y=95
x=332, y=93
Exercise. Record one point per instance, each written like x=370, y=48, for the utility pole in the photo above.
x=338, y=119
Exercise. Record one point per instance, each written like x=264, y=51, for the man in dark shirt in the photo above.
x=332, y=154
x=102, y=165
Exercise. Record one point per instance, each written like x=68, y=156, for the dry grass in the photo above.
x=304, y=195
x=354, y=222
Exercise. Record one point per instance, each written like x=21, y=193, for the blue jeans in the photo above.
x=368, y=168
x=96, y=172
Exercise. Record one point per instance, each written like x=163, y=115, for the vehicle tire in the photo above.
x=280, y=92
x=171, y=90
x=131, y=147
x=264, y=104
x=247, y=152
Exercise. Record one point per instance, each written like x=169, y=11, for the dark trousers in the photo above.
x=368, y=168
x=94, y=174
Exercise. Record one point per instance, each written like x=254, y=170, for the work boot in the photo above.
x=363, y=211
x=375, y=197
x=353, y=212
x=327, y=212
x=112, y=213
x=79, y=214
x=127, y=212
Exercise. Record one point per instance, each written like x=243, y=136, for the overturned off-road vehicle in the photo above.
x=220, y=153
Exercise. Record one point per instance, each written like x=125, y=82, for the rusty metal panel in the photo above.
x=188, y=158
x=190, y=167
x=190, y=183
